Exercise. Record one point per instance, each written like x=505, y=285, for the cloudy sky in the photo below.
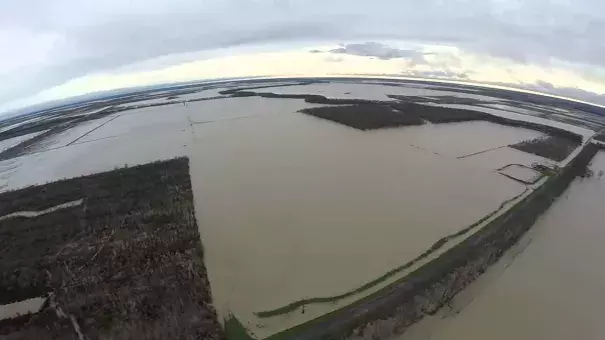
x=61, y=48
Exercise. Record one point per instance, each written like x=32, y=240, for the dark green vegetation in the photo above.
x=364, y=116
x=437, y=114
x=600, y=137
x=551, y=147
x=432, y=286
x=125, y=264
x=414, y=113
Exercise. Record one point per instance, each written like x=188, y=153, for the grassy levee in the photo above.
x=433, y=285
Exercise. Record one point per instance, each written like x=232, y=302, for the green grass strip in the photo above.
x=234, y=330
x=436, y=246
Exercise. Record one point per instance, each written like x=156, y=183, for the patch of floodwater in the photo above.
x=26, y=121
x=552, y=290
x=15, y=309
x=336, y=90
x=587, y=122
x=31, y=214
x=92, y=157
x=9, y=143
x=243, y=107
x=161, y=100
x=70, y=135
x=366, y=91
x=521, y=173
x=210, y=93
x=583, y=121
x=515, y=109
x=498, y=158
x=461, y=139
x=428, y=92
x=167, y=98
x=167, y=118
x=518, y=116
x=292, y=207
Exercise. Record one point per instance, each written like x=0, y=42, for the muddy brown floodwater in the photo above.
x=286, y=201
x=292, y=207
x=551, y=288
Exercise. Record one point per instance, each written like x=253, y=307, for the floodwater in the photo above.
x=291, y=206
x=551, y=290
x=366, y=91
x=586, y=133
x=241, y=108
x=31, y=214
x=172, y=119
x=24, y=307
x=70, y=136
x=88, y=158
x=463, y=139
x=499, y=157
x=9, y=143
x=521, y=173
x=129, y=138
x=164, y=99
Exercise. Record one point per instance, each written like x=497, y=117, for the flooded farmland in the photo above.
x=293, y=183
x=549, y=289
x=301, y=216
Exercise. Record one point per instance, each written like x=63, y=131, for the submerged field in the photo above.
x=549, y=279
x=308, y=197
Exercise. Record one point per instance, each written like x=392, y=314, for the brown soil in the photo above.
x=126, y=264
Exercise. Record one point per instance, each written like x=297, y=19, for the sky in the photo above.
x=62, y=48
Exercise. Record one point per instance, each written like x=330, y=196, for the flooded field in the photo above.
x=551, y=288
x=171, y=119
x=364, y=91
x=500, y=157
x=10, y=142
x=239, y=108
x=307, y=191
x=292, y=208
x=169, y=97
x=585, y=132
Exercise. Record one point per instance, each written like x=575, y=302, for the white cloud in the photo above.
x=439, y=61
x=52, y=42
